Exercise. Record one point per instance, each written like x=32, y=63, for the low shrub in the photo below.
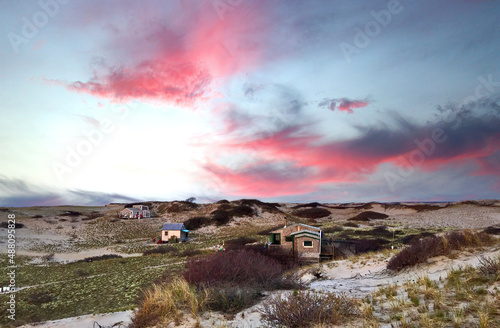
x=312, y=213
x=71, y=213
x=421, y=249
x=176, y=207
x=221, y=217
x=368, y=216
x=242, y=210
x=418, y=252
x=224, y=207
x=488, y=266
x=39, y=298
x=314, y=205
x=5, y=225
x=38, y=216
x=276, y=254
x=238, y=243
x=242, y=268
x=191, y=252
x=91, y=216
x=370, y=245
x=161, y=250
x=493, y=230
x=307, y=309
x=425, y=207
x=231, y=299
x=196, y=222
x=408, y=239
x=100, y=258
x=265, y=207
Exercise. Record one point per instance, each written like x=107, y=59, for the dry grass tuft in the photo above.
x=163, y=304
x=305, y=309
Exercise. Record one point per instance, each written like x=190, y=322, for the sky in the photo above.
x=283, y=100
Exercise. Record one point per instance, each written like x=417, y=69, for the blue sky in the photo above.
x=282, y=101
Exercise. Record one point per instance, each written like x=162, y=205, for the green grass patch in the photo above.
x=64, y=290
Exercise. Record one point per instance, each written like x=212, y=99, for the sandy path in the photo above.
x=360, y=280
x=87, y=321
x=76, y=256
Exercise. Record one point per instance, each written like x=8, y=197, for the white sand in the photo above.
x=84, y=321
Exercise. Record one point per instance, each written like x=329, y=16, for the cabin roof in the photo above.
x=312, y=234
x=174, y=226
x=298, y=224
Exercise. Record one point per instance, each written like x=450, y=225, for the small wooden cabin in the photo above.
x=174, y=230
x=136, y=212
x=301, y=241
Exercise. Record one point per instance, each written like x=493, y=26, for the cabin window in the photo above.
x=308, y=243
x=276, y=239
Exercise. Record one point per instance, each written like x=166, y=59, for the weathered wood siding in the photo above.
x=302, y=251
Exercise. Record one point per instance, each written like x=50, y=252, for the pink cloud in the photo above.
x=184, y=62
x=343, y=104
x=293, y=160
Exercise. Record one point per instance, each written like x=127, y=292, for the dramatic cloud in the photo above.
x=293, y=160
x=184, y=58
x=343, y=104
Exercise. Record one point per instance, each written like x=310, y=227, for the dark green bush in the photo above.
x=242, y=210
x=314, y=205
x=39, y=298
x=312, y=213
x=221, y=217
x=100, y=258
x=196, y=222
x=5, y=225
x=91, y=216
x=368, y=216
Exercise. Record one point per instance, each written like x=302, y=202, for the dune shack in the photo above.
x=175, y=231
x=136, y=211
x=302, y=241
